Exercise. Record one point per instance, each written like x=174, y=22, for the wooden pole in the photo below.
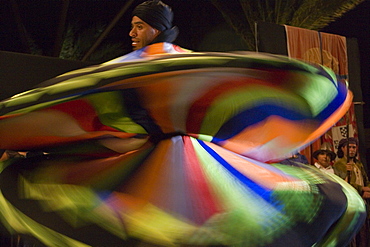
x=61, y=27
x=107, y=30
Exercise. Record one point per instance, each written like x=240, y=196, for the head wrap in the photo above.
x=154, y=12
x=159, y=16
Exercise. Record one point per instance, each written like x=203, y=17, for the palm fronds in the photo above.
x=309, y=14
x=78, y=39
x=321, y=12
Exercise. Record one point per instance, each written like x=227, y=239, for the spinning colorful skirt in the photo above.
x=165, y=147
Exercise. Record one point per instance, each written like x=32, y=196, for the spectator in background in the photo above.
x=352, y=170
x=323, y=159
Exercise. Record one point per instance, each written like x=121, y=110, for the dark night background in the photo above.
x=202, y=28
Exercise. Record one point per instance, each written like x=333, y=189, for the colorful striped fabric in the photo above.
x=173, y=147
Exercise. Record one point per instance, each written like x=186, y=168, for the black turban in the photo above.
x=155, y=13
x=159, y=16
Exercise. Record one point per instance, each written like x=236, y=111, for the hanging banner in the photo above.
x=331, y=51
x=339, y=132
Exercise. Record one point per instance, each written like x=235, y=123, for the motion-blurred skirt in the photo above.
x=177, y=149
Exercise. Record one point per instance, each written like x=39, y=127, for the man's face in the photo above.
x=323, y=159
x=352, y=150
x=141, y=33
